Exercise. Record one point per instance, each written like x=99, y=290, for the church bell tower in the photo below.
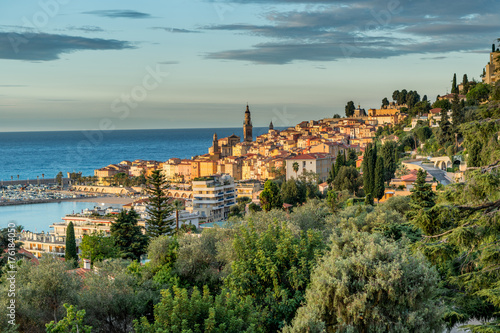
x=247, y=127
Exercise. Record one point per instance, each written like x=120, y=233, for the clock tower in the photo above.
x=247, y=127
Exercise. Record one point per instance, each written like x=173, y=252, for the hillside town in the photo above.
x=410, y=173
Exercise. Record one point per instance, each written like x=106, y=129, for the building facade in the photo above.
x=213, y=197
x=312, y=162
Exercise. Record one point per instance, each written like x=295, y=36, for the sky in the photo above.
x=122, y=64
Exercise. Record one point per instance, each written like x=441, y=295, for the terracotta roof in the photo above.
x=81, y=272
x=409, y=178
x=310, y=156
x=26, y=253
x=435, y=110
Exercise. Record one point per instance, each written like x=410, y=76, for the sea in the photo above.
x=39, y=217
x=32, y=154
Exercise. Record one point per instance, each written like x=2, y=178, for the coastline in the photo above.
x=106, y=200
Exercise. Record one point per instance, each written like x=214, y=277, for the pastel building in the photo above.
x=313, y=162
x=213, y=197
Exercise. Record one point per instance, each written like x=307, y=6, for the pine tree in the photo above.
x=59, y=178
x=70, y=253
x=422, y=194
x=128, y=237
x=379, y=188
x=349, y=109
x=422, y=201
x=270, y=197
x=160, y=221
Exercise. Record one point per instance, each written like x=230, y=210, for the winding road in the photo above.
x=439, y=174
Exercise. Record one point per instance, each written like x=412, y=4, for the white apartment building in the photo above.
x=43, y=243
x=213, y=197
x=313, y=162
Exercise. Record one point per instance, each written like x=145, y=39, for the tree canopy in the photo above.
x=383, y=288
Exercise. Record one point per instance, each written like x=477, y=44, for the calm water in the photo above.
x=40, y=216
x=29, y=154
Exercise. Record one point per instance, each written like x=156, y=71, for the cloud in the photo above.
x=452, y=29
x=44, y=47
x=85, y=28
x=175, y=30
x=284, y=53
x=168, y=62
x=117, y=13
x=330, y=30
x=434, y=58
x=12, y=85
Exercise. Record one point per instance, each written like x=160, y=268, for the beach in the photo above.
x=107, y=200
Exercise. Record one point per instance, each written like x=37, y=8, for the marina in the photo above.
x=39, y=217
x=22, y=194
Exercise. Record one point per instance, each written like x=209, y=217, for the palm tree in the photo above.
x=178, y=205
x=295, y=168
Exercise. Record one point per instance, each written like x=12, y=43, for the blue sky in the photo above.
x=70, y=65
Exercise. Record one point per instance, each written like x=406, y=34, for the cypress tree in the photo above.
x=331, y=174
x=339, y=162
x=445, y=128
x=454, y=88
x=70, y=253
x=160, y=220
x=369, y=199
x=465, y=84
x=366, y=169
x=456, y=112
x=369, y=161
x=379, y=188
x=389, y=153
x=373, y=162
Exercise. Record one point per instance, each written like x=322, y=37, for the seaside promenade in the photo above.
x=40, y=181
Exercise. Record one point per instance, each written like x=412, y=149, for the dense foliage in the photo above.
x=328, y=263
x=129, y=240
